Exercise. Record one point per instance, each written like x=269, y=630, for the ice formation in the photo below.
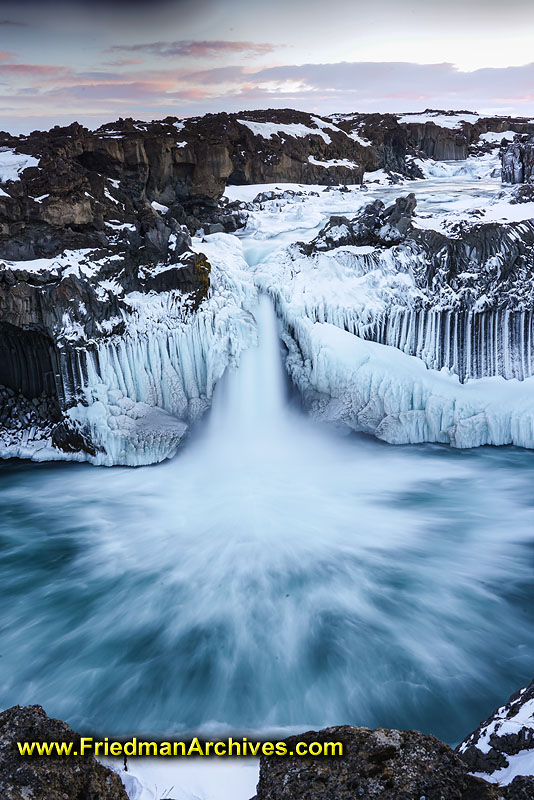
x=378, y=389
x=133, y=394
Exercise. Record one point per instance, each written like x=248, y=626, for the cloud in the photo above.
x=33, y=89
x=12, y=23
x=33, y=70
x=196, y=49
x=125, y=62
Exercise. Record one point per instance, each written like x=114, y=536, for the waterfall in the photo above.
x=250, y=400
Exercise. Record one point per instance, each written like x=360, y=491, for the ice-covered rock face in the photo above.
x=126, y=356
x=461, y=301
x=408, y=332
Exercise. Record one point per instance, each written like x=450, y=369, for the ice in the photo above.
x=487, y=165
x=140, y=390
x=378, y=389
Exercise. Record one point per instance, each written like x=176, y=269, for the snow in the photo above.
x=159, y=207
x=69, y=262
x=294, y=129
x=443, y=120
x=12, y=164
x=360, y=139
x=110, y=197
x=496, y=138
x=521, y=763
x=188, y=779
x=379, y=176
x=334, y=162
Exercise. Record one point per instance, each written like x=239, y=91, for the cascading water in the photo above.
x=250, y=401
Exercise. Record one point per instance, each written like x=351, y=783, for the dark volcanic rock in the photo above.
x=518, y=161
x=453, y=269
x=49, y=778
x=393, y=136
x=381, y=764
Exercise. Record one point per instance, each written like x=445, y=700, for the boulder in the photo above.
x=49, y=777
x=376, y=765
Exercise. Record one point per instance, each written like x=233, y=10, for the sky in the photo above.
x=96, y=60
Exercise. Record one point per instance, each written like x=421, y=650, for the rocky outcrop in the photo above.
x=471, y=263
x=518, y=161
x=382, y=764
x=437, y=134
x=403, y=765
x=50, y=777
x=506, y=733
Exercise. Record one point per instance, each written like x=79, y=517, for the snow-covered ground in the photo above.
x=188, y=779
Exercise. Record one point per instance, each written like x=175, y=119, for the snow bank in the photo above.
x=187, y=779
x=496, y=138
x=443, y=120
x=12, y=164
x=294, y=129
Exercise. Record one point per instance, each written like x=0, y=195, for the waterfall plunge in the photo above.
x=251, y=400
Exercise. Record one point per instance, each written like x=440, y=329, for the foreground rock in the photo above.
x=382, y=764
x=49, y=778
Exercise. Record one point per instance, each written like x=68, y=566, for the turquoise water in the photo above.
x=303, y=580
